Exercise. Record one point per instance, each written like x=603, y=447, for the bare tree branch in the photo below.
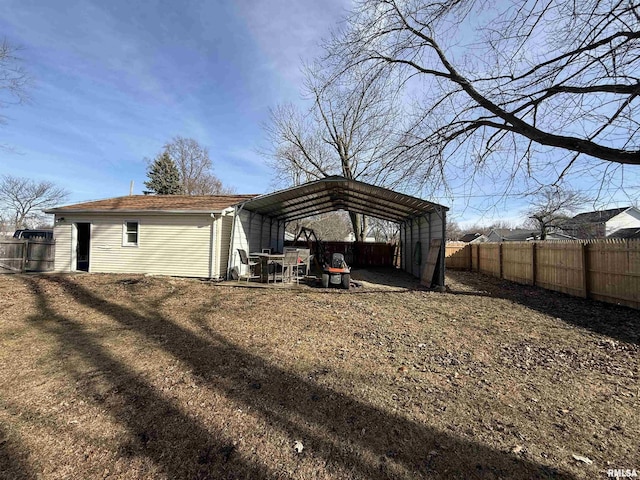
x=558, y=74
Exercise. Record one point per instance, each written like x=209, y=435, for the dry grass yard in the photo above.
x=106, y=376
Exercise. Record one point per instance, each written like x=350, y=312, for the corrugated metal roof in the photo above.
x=156, y=204
x=339, y=193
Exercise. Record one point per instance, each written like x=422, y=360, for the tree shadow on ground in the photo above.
x=12, y=463
x=157, y=427
x=344, y=432
x=621, y=323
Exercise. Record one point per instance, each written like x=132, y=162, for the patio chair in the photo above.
x=250, y=263
x=305, y=257
x=290, y=263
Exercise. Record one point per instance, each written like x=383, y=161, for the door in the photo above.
x=83, y=246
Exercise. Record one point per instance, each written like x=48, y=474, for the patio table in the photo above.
x=265, y=260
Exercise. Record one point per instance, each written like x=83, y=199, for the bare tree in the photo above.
x=348, y=130
x=332, y=226
x=551, y=208
x=384, y=230
x=195, y=167
x=454, y=232
x=496, y=86
x=13, y=78
x=4, y=224
x=23, y=199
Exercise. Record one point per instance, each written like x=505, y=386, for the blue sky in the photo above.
x=113, y=81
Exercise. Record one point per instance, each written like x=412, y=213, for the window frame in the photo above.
x=125, y=233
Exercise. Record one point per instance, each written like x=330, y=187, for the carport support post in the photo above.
x=412, y=249
x=443, y=246
x=401, y=252
x=261, y=232
x=278, y=238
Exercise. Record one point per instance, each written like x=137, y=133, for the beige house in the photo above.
x=157, y=234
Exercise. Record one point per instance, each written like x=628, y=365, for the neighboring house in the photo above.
x=352, y=238
x=157, y=234
x=627, y=233
x=510, y=235
x=602, y=223
x=556, y=236
x=473, y=238
x=469, y=237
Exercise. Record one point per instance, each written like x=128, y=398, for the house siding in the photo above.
x=628, y=219
x=178, y=245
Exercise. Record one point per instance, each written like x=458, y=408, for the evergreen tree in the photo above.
x=164, y=178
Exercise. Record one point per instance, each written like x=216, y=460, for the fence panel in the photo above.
x=26, y=256
x=475, y=257
x=614, y=271
x=605, y=270
x=11, y=256
x=517, y=264
x=489, y=259
x=367, y=254
x=559, y=267
x=40, y=255
x=458, y=256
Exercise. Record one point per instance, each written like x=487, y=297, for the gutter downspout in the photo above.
x=212, y=246
x=236, y=212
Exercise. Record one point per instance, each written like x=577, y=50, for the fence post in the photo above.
x=470, y=256
x=25, y=255
x=534, y=261
x=478, y=256
x=500, y=259
x=585, y=270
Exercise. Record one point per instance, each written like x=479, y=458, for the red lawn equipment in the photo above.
x=336, y=273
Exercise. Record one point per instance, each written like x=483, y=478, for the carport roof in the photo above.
x=340, y=193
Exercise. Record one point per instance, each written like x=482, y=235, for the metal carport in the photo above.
x=262, y=219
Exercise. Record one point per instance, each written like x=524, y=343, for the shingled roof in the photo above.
x=626, y=233
x=514, y=234
x=598, y=216
x=156, y=204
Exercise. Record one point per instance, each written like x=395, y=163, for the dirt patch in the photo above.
x=105, y=376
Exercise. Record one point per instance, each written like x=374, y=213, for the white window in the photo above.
x=130, y=233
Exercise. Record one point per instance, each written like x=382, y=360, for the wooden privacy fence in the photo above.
x=356, y=254
x=19, y=256
x=606, y=270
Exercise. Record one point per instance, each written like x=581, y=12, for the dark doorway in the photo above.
x=82, y=246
